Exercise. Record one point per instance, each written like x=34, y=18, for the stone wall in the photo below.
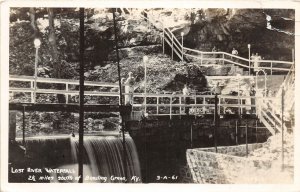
x=239, y=150
x=162, y=142
x=216, y=168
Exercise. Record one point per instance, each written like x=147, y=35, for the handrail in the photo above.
x=58, y=81
x=181, y=48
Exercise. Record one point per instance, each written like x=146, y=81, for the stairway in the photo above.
x=271, y=111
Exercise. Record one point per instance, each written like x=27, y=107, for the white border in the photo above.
x=133, y=187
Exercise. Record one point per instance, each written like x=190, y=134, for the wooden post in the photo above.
x=223, y=58
x=203, y=108
x=219, y=107
x=12, y=125
x=256, y=131
x=191, y=135
x=32, y=93
x=171, y=107
x=293, y=55
x=236, y=132
x=216, y=123
x=271, y=68
x=121, y=101
x=157, y=107
x=24, y=125
x=201, y=58
x=195, y=102
x=180, y=102
x=67, y=95
x=81, y=97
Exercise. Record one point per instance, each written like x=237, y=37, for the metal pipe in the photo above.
x=81, y=96
x=121, y=101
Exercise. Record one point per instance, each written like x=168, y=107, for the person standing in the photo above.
x=235, y=53
x=186, y=92
x=252, y=95
x=129, y=83
x=217, y=89
x=252, y=58
x=257, y=58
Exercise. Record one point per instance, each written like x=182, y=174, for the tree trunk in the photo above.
x=33, y=22
x=54, y=53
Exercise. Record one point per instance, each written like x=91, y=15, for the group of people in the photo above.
x=255, y=59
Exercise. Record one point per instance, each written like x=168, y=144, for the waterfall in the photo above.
x=103, y=158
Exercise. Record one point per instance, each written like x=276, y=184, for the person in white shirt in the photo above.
x=186, y=92
x=235, y=53
x=257, y=58
x=129, y=83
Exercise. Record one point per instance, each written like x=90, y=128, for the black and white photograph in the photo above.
x=149, y=95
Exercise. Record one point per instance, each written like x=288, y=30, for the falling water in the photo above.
x=103, y=157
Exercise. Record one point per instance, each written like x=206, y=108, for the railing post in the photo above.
x=216, y=123
x=224, y=107
x=172, y=47
x=24, y=126
x=180, y=103
x=256, y=131
x=271, y=67
x=32, y=93
x=201, y=58
x=171, y=107
x=67, y=95
x=157, y=108
x=203, y=108
x=223, y=56
x=195, y=102
x=219, y=107
x=236, y=132
x=191, y=135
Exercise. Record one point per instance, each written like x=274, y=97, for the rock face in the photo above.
x=202, y=28
x=235, y=28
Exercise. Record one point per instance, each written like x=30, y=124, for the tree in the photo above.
x=54, y=53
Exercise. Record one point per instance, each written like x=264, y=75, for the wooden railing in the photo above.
x=203, y=57
x=204, y=104
x=270, y=111
x=176, y=104
x=69, y=88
